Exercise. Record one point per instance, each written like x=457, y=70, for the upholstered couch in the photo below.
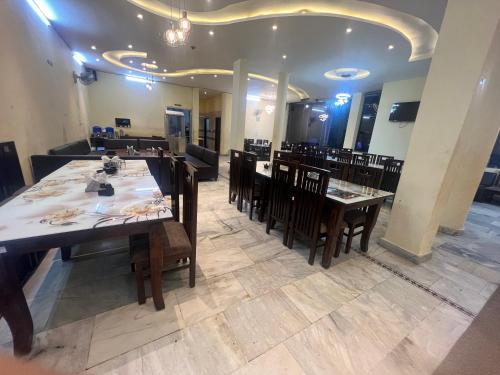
x=205, y=160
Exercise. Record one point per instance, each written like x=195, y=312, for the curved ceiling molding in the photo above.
x=347, y=74
x=420, y=34
x=115, y=57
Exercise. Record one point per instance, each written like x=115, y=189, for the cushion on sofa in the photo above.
x=195, y=150
x=115, y=144
x=197, y=163
x=210, y=157
x=80, y=147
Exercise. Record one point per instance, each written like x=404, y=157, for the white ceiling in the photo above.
x=313, y=44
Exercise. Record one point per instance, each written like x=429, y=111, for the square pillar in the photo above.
x=239, y=104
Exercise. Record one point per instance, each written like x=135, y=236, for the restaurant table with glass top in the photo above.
x=57, y=212
x=343, y=196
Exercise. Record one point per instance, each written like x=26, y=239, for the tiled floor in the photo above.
x=258, y=307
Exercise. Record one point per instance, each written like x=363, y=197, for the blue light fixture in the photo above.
x=43, y=11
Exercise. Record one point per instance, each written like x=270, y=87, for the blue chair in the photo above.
x=110, y=130
x=96, y=130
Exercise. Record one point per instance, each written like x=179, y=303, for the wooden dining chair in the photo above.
x=360, y=159
x=177, y=240
x=251, y=192
x=175, y=178
x=365, y=176
x=381, y=159
x=307, y=208
x=236, y=158
x=344, y=157
x=347, y=150
x=338, y=170
x=372, y=158
x=392, y=174
x=280, y=196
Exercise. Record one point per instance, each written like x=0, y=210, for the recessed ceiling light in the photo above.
x=131, y=61
x=348, y=30
x=130, y=71
x=144, y=68
x=248, y=78
x=307, y=105
x=130, y=46
x=93, y=47
x=164, y=70
x=275, y=27
x=140, y=16
x=154, y=61
x=98, y=59
x=192, y=77
x=164, y=77
x=215, y=75
x=211, y=32
x=284, y=57
x=205, y=92
x=390, y=46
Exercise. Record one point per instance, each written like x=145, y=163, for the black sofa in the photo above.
x=80, y=147
x=138, y=143
x=203, y=159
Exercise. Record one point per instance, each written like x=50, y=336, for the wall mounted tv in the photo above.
x=404, y=112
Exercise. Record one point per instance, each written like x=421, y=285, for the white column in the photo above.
x=239, y=104
x=195, y=116
x=355, y=112
x=280, y=115
x=475, y=144
x=225, y=142
x=451, y=85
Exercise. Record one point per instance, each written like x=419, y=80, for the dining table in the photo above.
x=341, y=196
x=57, y=212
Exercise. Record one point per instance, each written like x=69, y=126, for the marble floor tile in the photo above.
x=222, y=261
x=209, y=297
x=357, y=274
x=466, y=297
x=240, y=238
x=413, y=300
x=258, y=280
x=265, y=250
x=262, y=323
x=202, y=349
x=277, y=361
x=64, y=349
x=121, y=330
x=317, y=295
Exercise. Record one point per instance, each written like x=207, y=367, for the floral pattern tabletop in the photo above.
x=59, y=203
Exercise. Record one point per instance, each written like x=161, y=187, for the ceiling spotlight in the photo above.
x=130, y=46
x=307, y=105
x=248, y=78
x=98, y=59
x=348, y=30
x=93, y=47
x=144, y=68
x=154, y=61
x=215, y=75
x=204, y=92
x=275, y=27
x=192, y=77
x=164, y=70
x=211, y=32
x=140, y=16
x=284, y=57
x=131, y=61
x=390, y=46
x=164, y=77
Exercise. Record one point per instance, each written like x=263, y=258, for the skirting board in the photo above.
x=402, y=252
x=450, y=231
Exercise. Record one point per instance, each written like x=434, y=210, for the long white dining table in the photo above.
x=57, y=212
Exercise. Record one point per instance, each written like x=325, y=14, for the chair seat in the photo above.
x=176, y=239
x=355, y=217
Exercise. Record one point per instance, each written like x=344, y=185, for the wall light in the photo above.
x=78, y=57
x=136, y=79
x=42, y=10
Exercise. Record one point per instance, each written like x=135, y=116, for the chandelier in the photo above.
x=178, y=32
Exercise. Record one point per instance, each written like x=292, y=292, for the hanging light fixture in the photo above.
x=178, y=32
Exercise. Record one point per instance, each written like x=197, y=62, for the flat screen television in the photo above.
x=122, y=122
x=404, y=112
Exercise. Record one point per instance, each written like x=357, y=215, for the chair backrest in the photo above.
x=372, y=157
x=282, y=184
x=382, y=158
x=236, y=159
x=248, y=167
x=360, y=159
x=176, y=171
x=338, y=170
x=309, y=199
x=392, y=174
x=251, y=141
x=393, y=165
x=344, y=157
x=190, y=202
x=347, y=150
x=366, y=176
x=259, y=141
x=315, y=159
x=96, y=129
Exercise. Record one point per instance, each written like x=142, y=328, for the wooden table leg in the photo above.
x=65, y=253
x=265, y=199
x=334, y=228
x=156, y=265
x=14, y=308
x=371, y=220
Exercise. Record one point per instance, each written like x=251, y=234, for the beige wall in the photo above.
x=211, y=104
x=40, y=105
x=113, y=96
x=258, y=123
x=393, y=138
